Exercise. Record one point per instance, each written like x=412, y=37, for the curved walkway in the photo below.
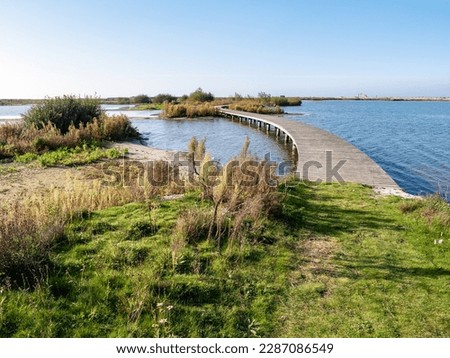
x=321, y=156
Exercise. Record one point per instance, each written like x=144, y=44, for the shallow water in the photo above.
x=12, y=112
x=224, y=139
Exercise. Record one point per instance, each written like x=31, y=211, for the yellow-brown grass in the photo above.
x=30, y=229
x=255, y=106
x=16, y=139
x=188, y=110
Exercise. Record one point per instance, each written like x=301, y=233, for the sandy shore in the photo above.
x=19, y=181
x=138, y=151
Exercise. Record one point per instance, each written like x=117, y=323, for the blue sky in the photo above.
x=322, y=47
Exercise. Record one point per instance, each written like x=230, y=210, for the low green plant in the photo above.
x=148, y=107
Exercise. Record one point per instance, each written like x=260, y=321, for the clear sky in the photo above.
x=290, y=47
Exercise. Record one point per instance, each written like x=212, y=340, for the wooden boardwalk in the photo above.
x=321, y=156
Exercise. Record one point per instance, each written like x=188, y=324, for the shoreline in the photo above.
x=125, y=107
x=20, y=181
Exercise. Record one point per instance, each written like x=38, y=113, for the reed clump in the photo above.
x=286, y=101
x=255, y=106
x=18, y=139
x=189, y=110
x=242, y=195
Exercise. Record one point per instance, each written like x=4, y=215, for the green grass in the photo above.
x=336, y=261
x=70, y=156
x=365, y=269
x=147, y=106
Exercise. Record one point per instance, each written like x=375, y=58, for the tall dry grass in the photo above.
x=31, y=229
x=255, y=106
x=188, y=110
x=242, y=195
x=17, y=139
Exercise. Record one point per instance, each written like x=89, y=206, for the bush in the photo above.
x=201, y=96
x=62, y=112
x=164, y=97
x=141, y=98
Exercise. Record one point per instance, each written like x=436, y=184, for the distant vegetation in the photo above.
x=163, y=97
x=200, y=103
x=255, y=106
x=287, y=101
x=201, y=96
x=139, y=99
x=264, y=104
x=18, y=102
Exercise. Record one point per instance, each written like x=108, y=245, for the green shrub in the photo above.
x=164, y=97
x=142, y=98
x=201, y=96
x=62, y=112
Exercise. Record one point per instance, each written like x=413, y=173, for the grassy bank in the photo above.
x=331, y=260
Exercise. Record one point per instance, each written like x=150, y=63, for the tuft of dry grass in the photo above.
x=434, y=209
x=27, y=235
x=193, y=225
x=242, y=195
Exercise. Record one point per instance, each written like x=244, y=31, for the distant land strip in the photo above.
x=115, y=100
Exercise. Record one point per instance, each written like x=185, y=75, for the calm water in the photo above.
x=410, y=140
x=12, y=112
x=224, y=139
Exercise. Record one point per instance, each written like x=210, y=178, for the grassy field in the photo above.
x=334, y=260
